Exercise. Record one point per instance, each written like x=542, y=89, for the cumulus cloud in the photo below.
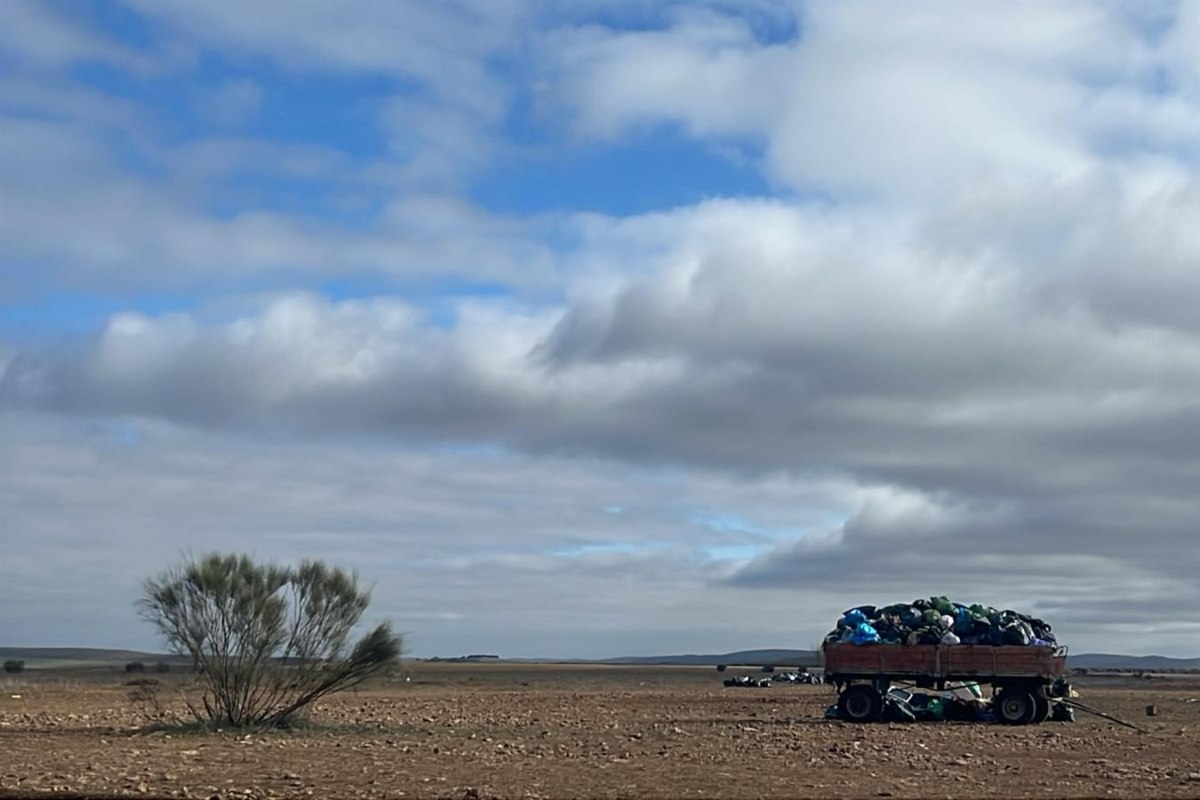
x=932, y=99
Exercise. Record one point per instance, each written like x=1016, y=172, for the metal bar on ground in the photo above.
x=1098, y=713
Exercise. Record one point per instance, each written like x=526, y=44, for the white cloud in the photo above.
x=446, y=99
x=156, y=233
x=877, y=102
x=35, y=34
x=437, y=42
x=705, y=70
x=151, y=205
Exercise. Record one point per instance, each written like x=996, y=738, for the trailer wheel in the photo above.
x=860, y=703
x=1015, y=706
x=1041, y=709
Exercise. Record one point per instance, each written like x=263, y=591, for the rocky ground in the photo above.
x=481, y=731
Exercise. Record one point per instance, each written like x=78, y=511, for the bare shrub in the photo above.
x=265, y=641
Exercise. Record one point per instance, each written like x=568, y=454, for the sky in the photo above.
x=598, y=328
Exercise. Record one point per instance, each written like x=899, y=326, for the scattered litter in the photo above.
x=746, y=680
x=797, y=677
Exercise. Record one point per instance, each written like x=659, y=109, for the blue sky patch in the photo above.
x=660, y=169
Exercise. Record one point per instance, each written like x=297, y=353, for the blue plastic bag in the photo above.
x=864, y=634
x=854, y=618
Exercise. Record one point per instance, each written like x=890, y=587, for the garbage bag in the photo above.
x=930, y=635
x=864, y=634
x=957, y=710
x=967, y=690
x=924, y=636
x=1042, y=629
x=949, y=638
x=1061, y=712
x=936, y=708
x=911, y=616
x=942, y=605
x=1015, y=634
x=895, y=710
x=854, y=617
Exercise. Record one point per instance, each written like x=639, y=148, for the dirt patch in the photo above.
x=472, y=731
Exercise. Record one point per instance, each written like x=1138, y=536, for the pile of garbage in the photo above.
x=963, y=702
x=937, y=620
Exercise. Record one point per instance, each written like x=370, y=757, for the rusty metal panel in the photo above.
x=943, y=661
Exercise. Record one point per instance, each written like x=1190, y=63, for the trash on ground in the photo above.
x=963, y=703
x=746, y=680
x=797, y=677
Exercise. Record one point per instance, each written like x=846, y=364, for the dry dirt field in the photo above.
x=511, y=731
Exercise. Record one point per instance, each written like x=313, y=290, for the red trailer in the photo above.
x=1024, y=677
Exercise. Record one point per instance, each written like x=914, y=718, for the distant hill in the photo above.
x=808, y=658
x=66, y=657
x=754, y=658
x=1114, y=661
x=80, y=657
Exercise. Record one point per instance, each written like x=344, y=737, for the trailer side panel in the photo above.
x=943, y=662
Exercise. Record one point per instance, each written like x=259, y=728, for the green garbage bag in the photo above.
x=942, y=605
x=936, y=708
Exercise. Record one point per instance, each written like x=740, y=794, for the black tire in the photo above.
x=1041, y=709
x=860, y=703
x=1015, y=706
